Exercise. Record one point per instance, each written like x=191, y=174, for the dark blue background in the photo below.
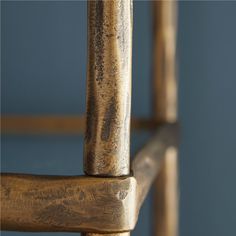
x=43, y=62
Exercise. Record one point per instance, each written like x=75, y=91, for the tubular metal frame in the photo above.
x=107, y=200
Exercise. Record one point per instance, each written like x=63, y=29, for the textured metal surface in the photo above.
x=108, y=88
x=165, y=110
x=107, y=137
x=72, y=204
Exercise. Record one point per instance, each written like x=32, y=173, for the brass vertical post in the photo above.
x=107, y=140
x=165, y=110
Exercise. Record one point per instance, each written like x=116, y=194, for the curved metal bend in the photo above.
x=88, y=204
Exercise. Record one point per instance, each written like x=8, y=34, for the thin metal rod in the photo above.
x=165, y=110
x=21, y=124
x=107, y=140
x=164, y=65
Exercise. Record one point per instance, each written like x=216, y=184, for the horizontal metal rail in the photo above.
x=22, y=124
x=87, y=204
x=63, y=203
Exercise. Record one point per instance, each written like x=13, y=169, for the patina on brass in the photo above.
x=83, y=203
x=165, y=110
x=72, y=204
x=107, y=136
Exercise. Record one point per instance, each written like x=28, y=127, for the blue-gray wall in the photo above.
x=43, y=62
x=207, y=48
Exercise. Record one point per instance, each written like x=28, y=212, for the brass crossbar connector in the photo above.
x=84, y=203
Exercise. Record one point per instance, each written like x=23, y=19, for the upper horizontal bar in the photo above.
x=21, y=124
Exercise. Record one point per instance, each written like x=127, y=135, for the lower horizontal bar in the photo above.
x=20, y=124
x=63, y=203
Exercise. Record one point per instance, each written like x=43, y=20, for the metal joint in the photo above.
x=84, y=203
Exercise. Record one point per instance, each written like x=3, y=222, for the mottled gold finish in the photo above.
x=60, y=125
x=107, y=136
x=165, y=110
x=72, y=204
x=108, y=88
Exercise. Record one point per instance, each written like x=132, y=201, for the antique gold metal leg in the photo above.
x=165, y=110
x=107, y=137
